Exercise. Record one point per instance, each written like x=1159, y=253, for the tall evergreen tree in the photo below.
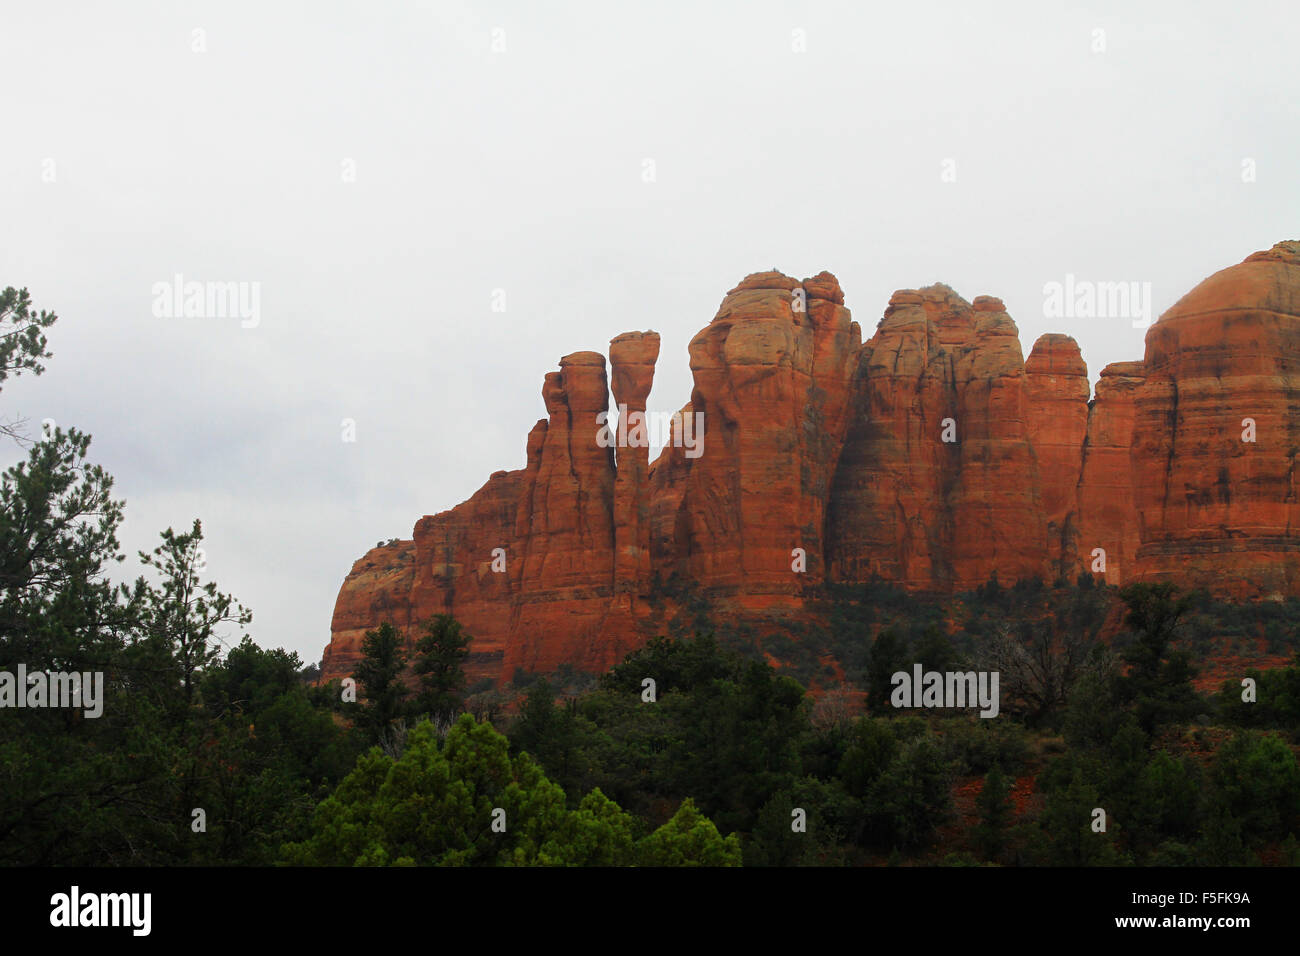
x=1159, y=682
x=22, y=344
x=994, y=807
x=185, y=614
x=888, y=656
x=439, y=664
x=379, y=673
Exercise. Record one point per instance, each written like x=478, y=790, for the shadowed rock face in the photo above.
x=932, y=455
x=940, y=485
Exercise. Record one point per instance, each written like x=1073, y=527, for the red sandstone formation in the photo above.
x=773, y=374
x=1217, y=504
x=632, y=357
x=1108, y=518
x=378, y=589
x=932, y=455
x=941, y=487
x=1056, y=393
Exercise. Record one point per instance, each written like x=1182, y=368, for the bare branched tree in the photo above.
x=486, y=707
x=392, y=739
x=1037, y=667
x=833, y=710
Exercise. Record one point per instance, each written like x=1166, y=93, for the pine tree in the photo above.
x=994, y=807
x=379, y=674
x=1159, y=681
x=888, y=656
x=439, y=663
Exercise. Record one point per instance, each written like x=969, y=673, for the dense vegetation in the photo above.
x=693, y=751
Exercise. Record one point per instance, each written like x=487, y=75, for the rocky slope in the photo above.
x=932, y=455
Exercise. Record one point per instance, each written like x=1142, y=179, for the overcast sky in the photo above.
x=379, y=169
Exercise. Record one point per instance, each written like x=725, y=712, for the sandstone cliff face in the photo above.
x=632, y=357
x=772, y=378
x=1056, y=394
x=1108, y=516
x=939, y=486
x=1216, y=432
x=377, y=589
x=532, y=550
x=932, y=455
